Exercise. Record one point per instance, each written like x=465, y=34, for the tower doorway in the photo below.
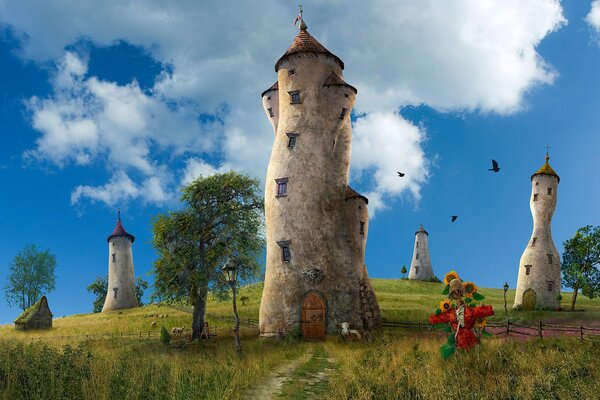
x=313, y=317
x=529, y=300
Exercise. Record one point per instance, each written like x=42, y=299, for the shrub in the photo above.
x=294, y=334
x=434, y=279
x=165, y=336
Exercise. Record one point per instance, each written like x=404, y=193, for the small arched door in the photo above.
x=529, y=299
x=313, y=317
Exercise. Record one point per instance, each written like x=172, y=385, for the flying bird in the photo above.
x=495, y=166
x=401, y=174
x=454, y=217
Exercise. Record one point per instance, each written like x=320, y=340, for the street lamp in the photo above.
x=505, y=290
x=230, y=270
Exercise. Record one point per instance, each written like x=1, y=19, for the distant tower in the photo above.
x=316, y=225
x=121, y=283
x=420, y=266
x=538, y=284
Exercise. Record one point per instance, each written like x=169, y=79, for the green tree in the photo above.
x=580, y=260
x=31, y=274
x=403, y=270
x=100, y=286
x=221, y=216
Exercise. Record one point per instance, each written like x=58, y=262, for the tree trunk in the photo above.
x=575, y=290
x=199, y=312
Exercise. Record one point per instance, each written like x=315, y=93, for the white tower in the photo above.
x=121, y=283
x=420, y=266
x=538, y=283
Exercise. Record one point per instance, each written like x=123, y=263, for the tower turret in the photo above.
x=315, y=225
x=420, y=266
x=121, y=282
x=538, y=283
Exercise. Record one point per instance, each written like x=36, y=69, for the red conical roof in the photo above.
x=305, y=43
x=120, y=231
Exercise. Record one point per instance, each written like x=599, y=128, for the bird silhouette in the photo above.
x=454, y=217
x=401, y=174
x=495, y=166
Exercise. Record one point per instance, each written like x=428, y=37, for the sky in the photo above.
x=118, y=104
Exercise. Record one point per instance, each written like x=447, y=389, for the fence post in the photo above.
x=419, y=327
x=581, y=332
x=540, y=329
x=507, y=328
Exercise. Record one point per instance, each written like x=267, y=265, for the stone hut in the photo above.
x=121, y=281
x=420, y=265
x=38, y=316
x=538, y=283
x=316, y=225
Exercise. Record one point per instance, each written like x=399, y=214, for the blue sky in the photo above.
x=116, y=106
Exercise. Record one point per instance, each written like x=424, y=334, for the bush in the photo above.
x=434, y=279
x=559, y=297
x=294, y=334
x=165, y=336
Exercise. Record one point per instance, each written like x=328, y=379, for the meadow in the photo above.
x=394, y=364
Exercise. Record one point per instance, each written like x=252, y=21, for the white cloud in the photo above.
x=593, y=18
x=397, y=147
x=459, y=55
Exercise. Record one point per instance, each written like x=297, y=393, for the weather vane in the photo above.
x=299, y=17
x=547, y=149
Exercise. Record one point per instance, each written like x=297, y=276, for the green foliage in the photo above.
x=478, y=297
x=581, y=257
x=165, y=336
x=221, y=217
x=559, y=297
x=446, y=290
x=244, y=300
x=403, y=271
x=434, y=279
x=99, y=288
x=31, y=273
x=294, y=334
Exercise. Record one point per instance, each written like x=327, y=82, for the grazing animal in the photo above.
x=153, y=324
x=177, y=331
x=454, y=217
x=401, y=174
x=495, y=166
x=350, y=335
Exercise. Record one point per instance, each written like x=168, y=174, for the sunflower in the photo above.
x=449, y=276
x=470, y=288
x=445, y=305
x=480, y=322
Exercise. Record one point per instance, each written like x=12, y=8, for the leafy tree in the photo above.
x=100, y=286
x=580, y=262
x=244, y=300
x=403, y=270
x=31, y=273
x=221, y=216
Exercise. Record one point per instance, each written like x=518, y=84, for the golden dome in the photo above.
x=546, y=169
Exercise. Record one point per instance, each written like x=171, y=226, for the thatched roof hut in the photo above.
x=38, y=316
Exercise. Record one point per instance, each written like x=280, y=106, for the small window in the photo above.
x=417, y=244
x=416, y=270
x=346, y=95
x=286, y=255
x=270, y=110
x=550, y=258
x=527, y=269
x=359, y=207
x=417, y=256
x=268, y=97
x=550, y=285
x=292, y=140
x=115, y=290
x=295, y=96
x=537, y=183
x=535, y=197
x=550, y=191
x=533, y=241
x=343, y=113
x=281, y=186
x=114, y=257
x=362, y=228
x=291, y=72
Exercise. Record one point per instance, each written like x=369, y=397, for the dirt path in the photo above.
x=272, y=387
x=302, y=378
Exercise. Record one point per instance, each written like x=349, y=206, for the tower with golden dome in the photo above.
x=316, y=225
x=538, y=283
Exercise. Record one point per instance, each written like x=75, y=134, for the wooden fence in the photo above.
x=541, y=329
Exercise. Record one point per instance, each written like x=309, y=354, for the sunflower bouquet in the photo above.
x=461, y=316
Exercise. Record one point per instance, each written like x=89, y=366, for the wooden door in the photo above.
x=313, y=317
x=529, y=299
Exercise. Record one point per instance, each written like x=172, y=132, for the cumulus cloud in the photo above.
x=459, y=55
x=593, y=18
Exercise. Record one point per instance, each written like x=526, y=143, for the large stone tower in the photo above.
x=538, y=284
x=121, y=282
x=316, y=225
x=420, y=266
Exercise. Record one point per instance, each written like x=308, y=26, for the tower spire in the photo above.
x=302, y=25
x=118, y=215
x=547, y=155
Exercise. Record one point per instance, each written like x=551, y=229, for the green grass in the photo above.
x=305, y=381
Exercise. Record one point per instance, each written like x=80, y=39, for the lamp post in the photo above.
x=230, y=270
x=505, y=290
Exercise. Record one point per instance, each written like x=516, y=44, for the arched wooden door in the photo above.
x=313, y=317
x=529, y=300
